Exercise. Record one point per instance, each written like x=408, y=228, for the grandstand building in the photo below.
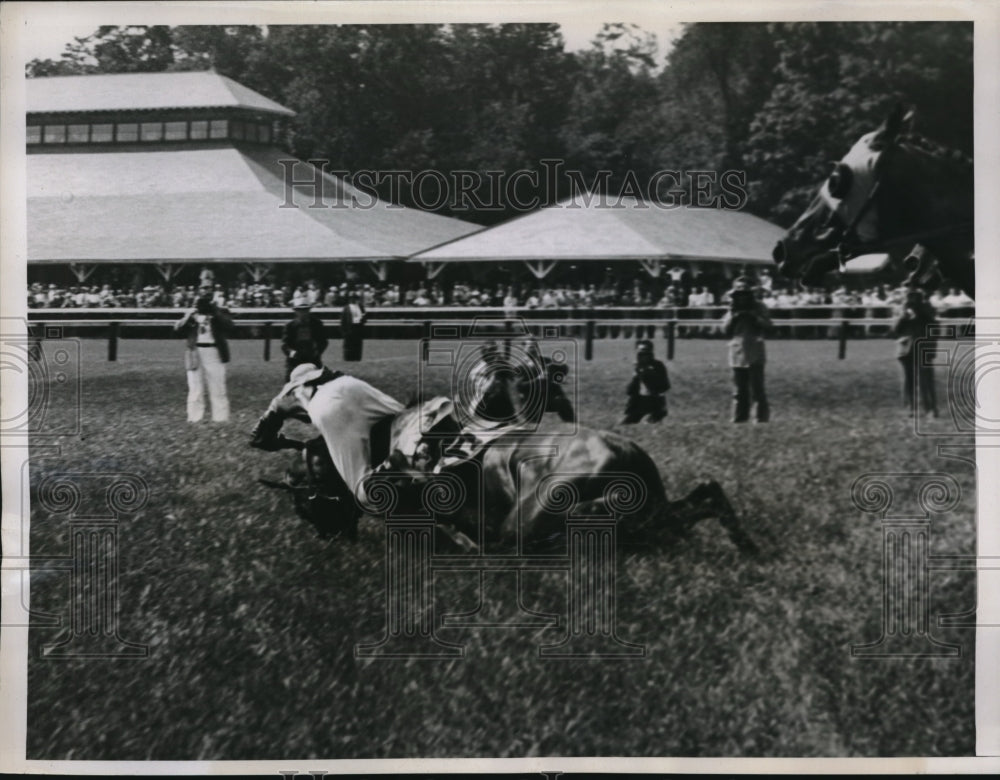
x=168, y=172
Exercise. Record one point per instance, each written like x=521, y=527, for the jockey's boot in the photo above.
x=331, y=516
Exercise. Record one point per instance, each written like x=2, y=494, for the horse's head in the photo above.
x=846, y=212
x=892, y=191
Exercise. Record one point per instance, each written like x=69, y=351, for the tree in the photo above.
x=717, y=77
x=131, y=49
x=836, y=82
x=779, y=101
x=611, y=122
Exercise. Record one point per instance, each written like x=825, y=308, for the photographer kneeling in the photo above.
x=745, y=324
x=647, y=389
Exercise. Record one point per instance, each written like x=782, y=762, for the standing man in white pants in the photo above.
x=207, y=354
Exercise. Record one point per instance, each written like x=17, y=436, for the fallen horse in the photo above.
x=508, y=488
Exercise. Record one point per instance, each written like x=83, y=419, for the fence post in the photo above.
x=425, y=347
x=267, y=341
x=671, y=327
x=113, y=342
x=588, y=351
x=842, y=347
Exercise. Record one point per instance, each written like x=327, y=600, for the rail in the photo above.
x=830, y=322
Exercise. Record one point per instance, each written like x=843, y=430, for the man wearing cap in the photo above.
x=303, y=339
x=539, y=384
x=745, y=325
x=205, y=328
x=352, y=324
x=342, y=407
x=648, y=387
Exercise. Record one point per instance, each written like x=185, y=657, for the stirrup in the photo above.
x=317, y=494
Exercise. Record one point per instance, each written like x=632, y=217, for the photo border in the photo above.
x=13, y=271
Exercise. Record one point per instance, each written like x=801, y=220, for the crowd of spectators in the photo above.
x=264, y=295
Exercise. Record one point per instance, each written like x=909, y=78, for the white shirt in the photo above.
x=204, y=329
x=345, y=410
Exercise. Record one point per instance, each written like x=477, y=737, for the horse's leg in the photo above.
x=706, y=501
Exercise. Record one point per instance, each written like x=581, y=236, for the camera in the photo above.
x=51, y=363
x=966, y=354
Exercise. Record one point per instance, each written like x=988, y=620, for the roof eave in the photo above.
x=667, y=257
x=286, y=113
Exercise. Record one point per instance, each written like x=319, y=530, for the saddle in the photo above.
x=430, y=438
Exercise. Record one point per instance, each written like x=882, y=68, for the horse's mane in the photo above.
x=925, y=147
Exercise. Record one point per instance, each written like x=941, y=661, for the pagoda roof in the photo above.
x=218, y=204
x=144, y=91
x=594, y=227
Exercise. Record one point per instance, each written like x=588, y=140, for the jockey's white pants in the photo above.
x=344, y=410
x=211, y=371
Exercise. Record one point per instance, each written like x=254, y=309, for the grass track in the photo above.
x=252, y=621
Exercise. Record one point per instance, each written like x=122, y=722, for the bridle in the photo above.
x=852, y=245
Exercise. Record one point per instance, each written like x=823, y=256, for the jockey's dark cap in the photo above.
x=645, y=345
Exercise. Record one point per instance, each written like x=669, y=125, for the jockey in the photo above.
x=342, y=407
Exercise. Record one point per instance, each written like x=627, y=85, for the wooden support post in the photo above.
x=381, y=269
x=842, y=346
x=267, y=341
x=671, y=328
x=81, y=271
x=113, y=342
x=425, y=346
x=588, y=351
x=540, y=268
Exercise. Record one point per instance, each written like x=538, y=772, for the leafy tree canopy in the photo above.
x=777, y=102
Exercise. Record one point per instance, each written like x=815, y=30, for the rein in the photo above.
x=847, y=250
x=852, y=246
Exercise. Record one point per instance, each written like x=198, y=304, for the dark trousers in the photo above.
x=748, y=383
x=639, y=406
x=303, y=355
x=354, y=343
x=558, y=402
x=923, y=377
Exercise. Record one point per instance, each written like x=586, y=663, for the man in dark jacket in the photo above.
x=912, y=323
x=303, y=339
x=745, y=325
x=540, y=381
x=205, y=328
x=648, y=387
x=352, y=324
